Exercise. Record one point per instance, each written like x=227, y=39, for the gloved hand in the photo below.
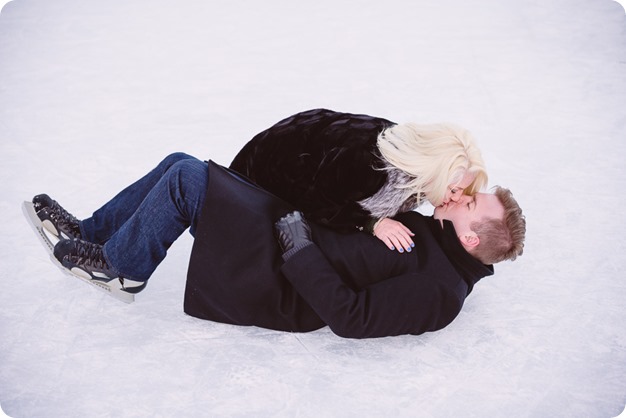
x=293, y=233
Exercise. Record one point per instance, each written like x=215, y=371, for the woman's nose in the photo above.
x=460, y=198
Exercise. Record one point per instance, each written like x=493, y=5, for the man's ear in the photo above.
x=469, y=239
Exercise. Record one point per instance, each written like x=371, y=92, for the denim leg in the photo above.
x=172, y=205
x=109, y=218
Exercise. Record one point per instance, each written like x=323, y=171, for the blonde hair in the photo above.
x=435, y=156
x=501, y=239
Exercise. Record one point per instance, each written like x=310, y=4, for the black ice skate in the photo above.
x=86, y=260
x=119, y=289
x=55, y=219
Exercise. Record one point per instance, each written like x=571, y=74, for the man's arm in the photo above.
x=407, y=304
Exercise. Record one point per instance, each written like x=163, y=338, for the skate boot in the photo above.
x=55, y=219
x=86, y=260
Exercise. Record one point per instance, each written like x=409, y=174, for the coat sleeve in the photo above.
x=406, y=304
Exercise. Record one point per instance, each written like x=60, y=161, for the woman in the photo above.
x=357, y=171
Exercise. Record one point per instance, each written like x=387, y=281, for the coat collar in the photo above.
x=470, y=268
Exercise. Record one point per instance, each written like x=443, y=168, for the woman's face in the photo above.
x=455, y=191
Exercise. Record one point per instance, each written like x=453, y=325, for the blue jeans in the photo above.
x=140, y=223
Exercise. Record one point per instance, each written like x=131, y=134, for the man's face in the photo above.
x=467, y=211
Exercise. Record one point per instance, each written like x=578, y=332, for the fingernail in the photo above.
x=401, y=250
x=408, y=249
x=412, y=244
x=392, y=247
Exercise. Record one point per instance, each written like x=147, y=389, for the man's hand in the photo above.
x=394, y=234
x=293, y=233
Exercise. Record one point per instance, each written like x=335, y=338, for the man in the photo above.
x=309, y=277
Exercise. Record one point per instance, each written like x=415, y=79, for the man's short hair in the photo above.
x=501, y=239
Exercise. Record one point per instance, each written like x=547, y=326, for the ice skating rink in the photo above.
x=94, y=93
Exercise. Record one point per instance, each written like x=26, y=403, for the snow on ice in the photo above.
x=93, y=94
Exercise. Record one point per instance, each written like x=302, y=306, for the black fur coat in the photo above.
x=322, y=162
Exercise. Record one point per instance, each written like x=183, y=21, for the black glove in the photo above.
x=293, y=233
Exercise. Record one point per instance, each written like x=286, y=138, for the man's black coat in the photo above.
x=349, y=281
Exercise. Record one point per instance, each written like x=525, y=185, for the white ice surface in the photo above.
x=93, y=94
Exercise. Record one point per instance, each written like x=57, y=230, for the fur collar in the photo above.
x=391, y=198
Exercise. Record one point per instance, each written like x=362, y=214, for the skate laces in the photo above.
x=63, y=218
x=90, y=254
